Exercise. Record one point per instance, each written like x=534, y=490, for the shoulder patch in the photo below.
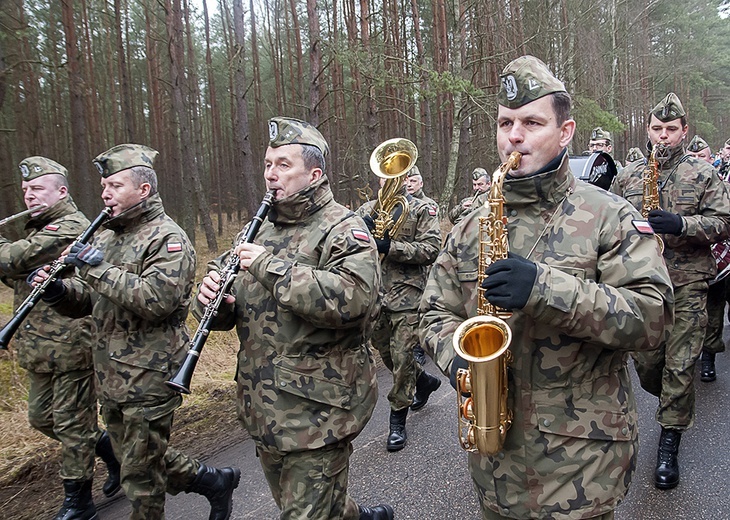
x=643, y=227
x=361, y=234
x=52, y=227
x=433, y=211
x=174, y=247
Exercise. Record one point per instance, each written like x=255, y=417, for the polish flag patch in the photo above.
x=360, y=234
x=432, y=211
x=642, y=226
x=52, y=227
x=174, y=247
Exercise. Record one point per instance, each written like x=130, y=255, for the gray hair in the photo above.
x=142, y=174
x=313, y=157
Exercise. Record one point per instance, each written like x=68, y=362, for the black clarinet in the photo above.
x=34, y=297
x=181, y=381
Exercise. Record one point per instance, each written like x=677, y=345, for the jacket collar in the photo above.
x=301, y=204
x=148, y=209
x=63, y=207
x=549, y=185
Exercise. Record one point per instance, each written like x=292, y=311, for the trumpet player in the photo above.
x=693, y=214
x=135, y=280
x=480, y=182
x=54, y=349
x=302, y=305
x=583, y=287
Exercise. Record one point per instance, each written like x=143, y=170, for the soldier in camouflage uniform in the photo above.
x=635, y=155
x=302, y=305
x=414, y=187
x=585, y=287
x=723, y=165
x=480, y=184
x=136, y=279
x=694, y=213
x=55, y=350
x=699, y=149
x=405, y=260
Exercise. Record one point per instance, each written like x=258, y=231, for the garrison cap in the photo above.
x=124, y=156
x=479, y=172
x=36, y=166
x=634, y=155
x=524, y=80
x=697, y=144
x=600, y=133
x=286, y=130
x=414, y=171
x=668, y=109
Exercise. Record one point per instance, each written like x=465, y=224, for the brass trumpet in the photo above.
x=484, y=340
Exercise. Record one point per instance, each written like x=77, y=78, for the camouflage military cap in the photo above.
x=697, y=144
x=524, y=80
x=414, y=171
x=668, y=109
x=634, y=155
x=285, y=130
x=124, y=156
x=600, y=133
x=479, y=172
x=36, y=166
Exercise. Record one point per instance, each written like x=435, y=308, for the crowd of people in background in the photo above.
x=586, y=289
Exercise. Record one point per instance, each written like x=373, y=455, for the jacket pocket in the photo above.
x=314, y=379
x=583, y=423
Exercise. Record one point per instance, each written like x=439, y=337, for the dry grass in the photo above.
x=29, y=461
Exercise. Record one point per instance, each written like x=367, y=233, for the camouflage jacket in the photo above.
x=411, y=253
x=691, y=188
x=46, y=341
x=601, y=291
x=428, y=200
x=458, y=212
x=138, y=298
x=303, y=314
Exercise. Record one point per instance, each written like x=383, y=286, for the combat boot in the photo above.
x=217, y=486
x=666, y=475
x=104, y=452
x=707, y=374
x=426, y=384
x=78, y=504
x=380, y=512
x=397, y=437
x=419, y=354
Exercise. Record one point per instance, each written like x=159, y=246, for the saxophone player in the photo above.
x=584, y=288
x=693, y=214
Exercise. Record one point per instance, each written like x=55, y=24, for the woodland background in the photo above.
x=197, y=80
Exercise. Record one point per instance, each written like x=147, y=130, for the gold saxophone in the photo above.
x=391, y=160
x=484, y=340
x=650, y=177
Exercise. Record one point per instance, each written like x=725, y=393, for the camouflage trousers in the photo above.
x=395, y=335
x=62, y=406
x=311, y=484
x=488, y=514
x=669, y=371
x=717, y=296
x=140, y=436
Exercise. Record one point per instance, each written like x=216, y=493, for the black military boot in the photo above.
x=380, y=512
x=397, y=437
x=426, y=384
x=707, y=374
x=104, y=452
x=217, y=486
x=78, y=504
x=666, y=475
x=419, y=354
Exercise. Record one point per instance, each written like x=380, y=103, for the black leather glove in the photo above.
x=665, y=222
x=383, y=245
x=53, y=292
x=508, y=282
x=369, y=222
x=81, y=254
x=456, y=364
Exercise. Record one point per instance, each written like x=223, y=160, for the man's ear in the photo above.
x=145, y=188
x=567, y=129
x=315, y=175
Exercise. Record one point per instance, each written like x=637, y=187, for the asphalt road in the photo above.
x=428, y=479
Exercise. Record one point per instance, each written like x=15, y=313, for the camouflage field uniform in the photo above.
x=458, y=212
x=55, y=350
x=306, y=381
x=405, y=268
x=601, y=291
x=139, y=298
x=690, y=188
x=428, y=200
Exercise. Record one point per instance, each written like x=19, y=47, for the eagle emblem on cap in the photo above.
x=99, y=167
x=273, y=130
x=24, y=171
x=510, y=86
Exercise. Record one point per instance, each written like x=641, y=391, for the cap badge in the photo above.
x=273, y=130
x=25, y=172
x=510, y=86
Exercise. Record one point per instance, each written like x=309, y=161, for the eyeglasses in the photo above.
x=597, y=145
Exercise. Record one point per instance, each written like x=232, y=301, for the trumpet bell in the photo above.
x=393, y=158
